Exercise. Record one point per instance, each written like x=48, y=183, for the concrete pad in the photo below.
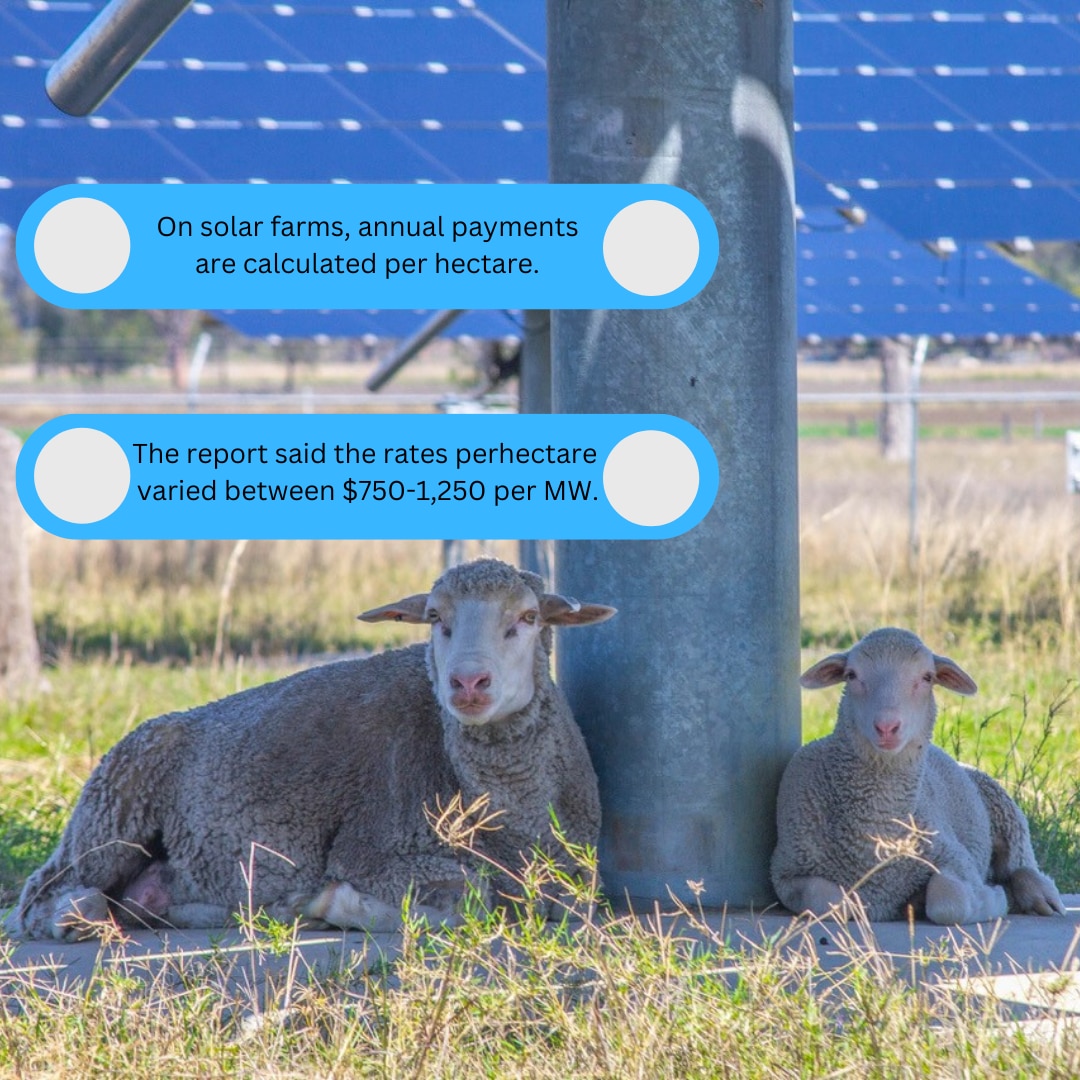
x=990, y=958
x=1016, y=943
x=227, y=958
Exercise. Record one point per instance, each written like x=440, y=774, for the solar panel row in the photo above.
x=955, y=119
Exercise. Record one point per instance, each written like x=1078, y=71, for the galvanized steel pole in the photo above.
x=689, y=697
x=100, y=57
x=534, y=396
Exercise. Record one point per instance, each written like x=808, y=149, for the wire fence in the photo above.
x=314, y=400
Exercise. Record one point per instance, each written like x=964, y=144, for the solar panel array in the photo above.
x=852, y=277
x=947, y=119
x=289, y=93
x=954, y=122
x=366, y=324
x=240, y=92
x=958, y=123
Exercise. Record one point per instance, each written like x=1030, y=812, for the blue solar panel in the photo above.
x=869, y=280
x=945, y=119
x=975, y=44
x=301, y=91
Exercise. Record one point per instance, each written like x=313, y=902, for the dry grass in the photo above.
x=998, y=562
x=163, y=600
x=998, y=557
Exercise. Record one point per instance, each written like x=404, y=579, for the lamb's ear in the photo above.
x=558, y=610
x=953, y=677
x=827, y=672
x=410, y=609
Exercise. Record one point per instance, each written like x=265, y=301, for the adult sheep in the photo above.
x=314, y=787
x=843, y=795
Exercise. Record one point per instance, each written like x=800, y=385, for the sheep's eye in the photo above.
x=529, y=618
x=849, y=675
x=432, y=615
x=928, y=677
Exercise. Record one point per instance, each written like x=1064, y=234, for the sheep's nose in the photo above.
x=887, y=728
x=470, y=684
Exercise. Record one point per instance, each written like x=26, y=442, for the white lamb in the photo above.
x=877, y=774
x=322, y=778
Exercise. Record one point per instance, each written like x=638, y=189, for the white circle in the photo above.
x=651, y=478
x=651, y=247
x=82, y=245
x=82, y=475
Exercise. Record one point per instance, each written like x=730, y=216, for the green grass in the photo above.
x=161, y=600
x=864, y=429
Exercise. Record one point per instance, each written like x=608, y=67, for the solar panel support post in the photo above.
x=535, y=380
x=534, y=396
x=689, y=697
x=99, y=58
x=895, y=423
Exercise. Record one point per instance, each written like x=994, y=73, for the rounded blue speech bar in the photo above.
x=565, y=476
x=308, y=246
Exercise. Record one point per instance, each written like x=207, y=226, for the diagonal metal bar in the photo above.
x=99, y=58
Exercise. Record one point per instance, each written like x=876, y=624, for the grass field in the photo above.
x=129, y=631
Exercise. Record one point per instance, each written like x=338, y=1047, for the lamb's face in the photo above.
x=891, y=698
x=489, y=623
x=483, y=651
x=889, y=680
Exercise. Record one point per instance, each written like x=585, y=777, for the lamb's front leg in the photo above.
x=958, y=892
x=810, y=895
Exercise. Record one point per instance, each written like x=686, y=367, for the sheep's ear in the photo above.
x=558, y=610
x=827, y=672
x=953, y=677
x=410, y=609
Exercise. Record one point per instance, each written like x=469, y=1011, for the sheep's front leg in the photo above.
x=958, y=892
x=339, y=904
x=438, y=887
x=812, y=896
x=951, y=900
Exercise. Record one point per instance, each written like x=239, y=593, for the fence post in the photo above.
x=20, y=662
x=897, y=377
x=918, y=357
